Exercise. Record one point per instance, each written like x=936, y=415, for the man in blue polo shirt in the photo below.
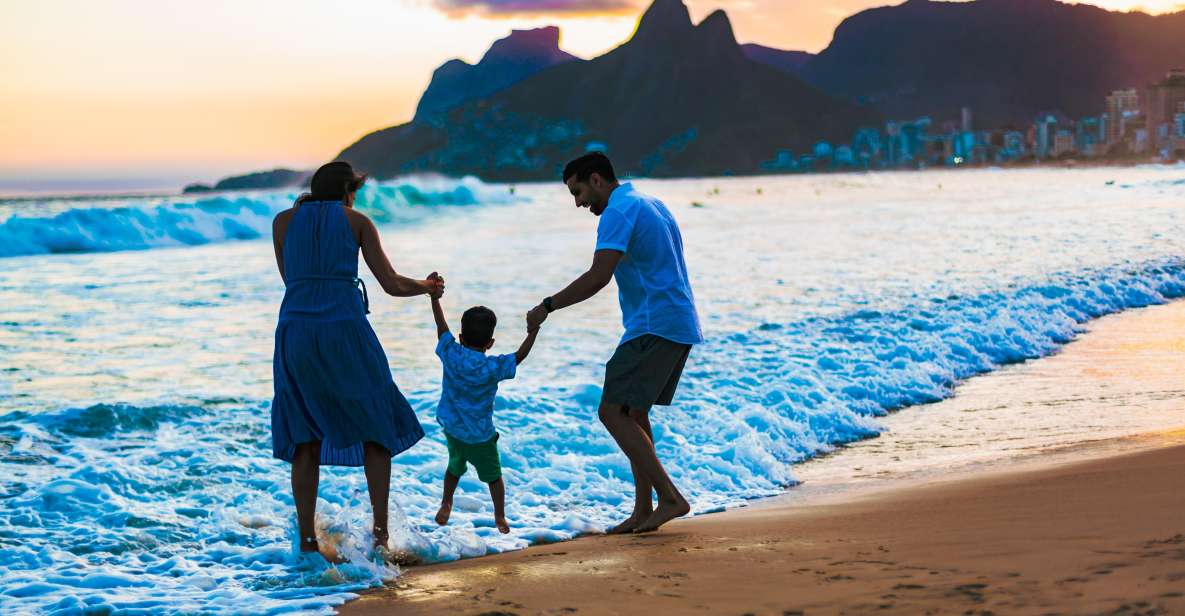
x=639, y=244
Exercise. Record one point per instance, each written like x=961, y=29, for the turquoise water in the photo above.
x=135, y=359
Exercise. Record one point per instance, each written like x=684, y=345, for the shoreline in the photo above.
x=826, y=544
x=1094, y=536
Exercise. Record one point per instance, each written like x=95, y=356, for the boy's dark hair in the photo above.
x=477, y=326
x=585, y=166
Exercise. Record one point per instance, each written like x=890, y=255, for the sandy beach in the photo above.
x=1086, y=527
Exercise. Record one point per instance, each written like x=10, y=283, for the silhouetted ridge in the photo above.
x=1006, y=59
x=508, y=61
x=677, y=99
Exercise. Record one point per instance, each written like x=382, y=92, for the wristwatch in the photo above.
x=547, y=304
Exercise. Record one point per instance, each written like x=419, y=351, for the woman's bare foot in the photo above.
x=446, y=509
x=503, y=527
x=630, y=523
x=381, y=536
x=325, y=550
x=665, y=512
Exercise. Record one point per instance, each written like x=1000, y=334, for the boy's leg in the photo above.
x=376, y=460
x=446, y=501
x=457, y=463
x=643, y=490
x=488, y=462
x=498, y=493
x=638, y=447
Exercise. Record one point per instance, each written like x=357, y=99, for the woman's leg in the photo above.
x=306, y=474
x=377, y=460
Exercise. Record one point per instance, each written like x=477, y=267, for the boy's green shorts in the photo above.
x=483, y=457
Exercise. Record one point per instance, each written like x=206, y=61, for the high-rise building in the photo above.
x=1086, y=141
x=1122, y=105
x=967, y=120
x=1063, y=143
x=1045, y=131
x=1161, y=102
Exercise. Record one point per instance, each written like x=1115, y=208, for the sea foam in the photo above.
x=139, y=224
x=188, y=512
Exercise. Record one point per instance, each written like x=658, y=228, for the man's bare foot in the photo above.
x=630, y=523
x=442, y=515
x=664, y=513
x=503, y=527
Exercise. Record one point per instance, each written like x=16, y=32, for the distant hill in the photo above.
x=1006, y=59
x=677, y=99
x=681, y=99
x=508, y=61
x=276, y=178
x=791, y=62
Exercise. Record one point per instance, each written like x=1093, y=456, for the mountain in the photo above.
x=790, y=62
x=276, y=178
x=676, y=99
x=507, y=62
x=1006, y=59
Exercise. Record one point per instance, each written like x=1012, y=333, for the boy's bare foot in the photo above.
x=503, y=527
x=442, y=515
x=630, y=523
x=665, y=512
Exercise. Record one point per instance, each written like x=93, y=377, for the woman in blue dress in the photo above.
x=335, y=400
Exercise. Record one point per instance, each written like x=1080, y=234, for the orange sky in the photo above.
x=177, y=91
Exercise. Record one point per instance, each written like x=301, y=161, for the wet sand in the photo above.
x=1054, y=525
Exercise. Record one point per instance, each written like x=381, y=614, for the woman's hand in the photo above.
x=434, y=285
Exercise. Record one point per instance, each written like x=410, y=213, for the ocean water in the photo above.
x=136, y=341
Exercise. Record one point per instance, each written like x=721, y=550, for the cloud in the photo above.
x=507, y=8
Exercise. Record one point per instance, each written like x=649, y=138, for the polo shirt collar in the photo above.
x=623, y=191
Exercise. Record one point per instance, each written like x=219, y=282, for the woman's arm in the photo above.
x=279, y=229
x=372, y=251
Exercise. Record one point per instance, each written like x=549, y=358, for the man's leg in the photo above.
x=637, y=446
x=643, y=504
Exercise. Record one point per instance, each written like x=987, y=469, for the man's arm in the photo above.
x=587, y=285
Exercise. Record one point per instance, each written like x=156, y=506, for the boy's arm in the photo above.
x=438, y=314
x=525, y=348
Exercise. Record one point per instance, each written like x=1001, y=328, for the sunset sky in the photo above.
x=153, y=94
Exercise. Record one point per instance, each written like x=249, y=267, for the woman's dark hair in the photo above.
x=585, y=166
x=335, y=180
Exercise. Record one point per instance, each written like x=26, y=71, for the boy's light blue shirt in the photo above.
x=466, y=409
x=653, y=289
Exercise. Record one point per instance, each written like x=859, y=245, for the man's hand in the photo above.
x=435, y=284
x=536, y=317
x=532, y=327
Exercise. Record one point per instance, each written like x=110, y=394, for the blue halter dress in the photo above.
x=332, y=380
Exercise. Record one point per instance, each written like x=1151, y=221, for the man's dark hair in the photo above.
x=477, y=326
x=585, y=166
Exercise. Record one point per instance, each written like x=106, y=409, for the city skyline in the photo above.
x=149, y=95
